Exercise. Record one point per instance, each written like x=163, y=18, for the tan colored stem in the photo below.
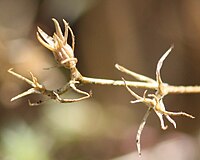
x=87, y=80
x=183, y=89
x=170, y=89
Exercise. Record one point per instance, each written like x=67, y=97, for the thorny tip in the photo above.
x=159, y=66
x=37, y=88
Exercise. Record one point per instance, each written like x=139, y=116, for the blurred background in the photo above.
x=132, y=33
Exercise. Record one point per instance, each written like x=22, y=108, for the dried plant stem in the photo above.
x=88, y=80
x=170, y=89
x=183, y=89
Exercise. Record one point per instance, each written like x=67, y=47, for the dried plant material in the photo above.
x=160, y=63
x=62, y=51
x=40, y=89
x=140, y=129
x=37, y=88
x=155, y=101
x=135, y=75
x=64, y=56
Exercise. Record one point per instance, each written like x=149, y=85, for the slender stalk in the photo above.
x=183, y=89
x=98, y=81
x=169, y=88
x=141, y=127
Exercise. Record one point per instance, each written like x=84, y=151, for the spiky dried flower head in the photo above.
x=62, y=51
x=153, y=101
x=64, y=55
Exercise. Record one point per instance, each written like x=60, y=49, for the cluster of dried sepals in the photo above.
x=64, y=55
x=154, y=101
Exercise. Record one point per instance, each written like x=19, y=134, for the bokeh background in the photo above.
x=132, y=33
